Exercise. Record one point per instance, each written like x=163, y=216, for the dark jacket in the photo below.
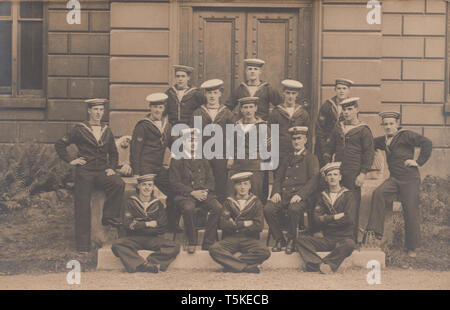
x=400, y=149
x=187, y=175
x=135, y=211
x=232, y=218
x=325, y=210
x=279, y=115
x=265, y=93
x=298, y=175
x=326, y=120
x=99, y=155
x=353, y=148
x=181, y=112
x=148, y=145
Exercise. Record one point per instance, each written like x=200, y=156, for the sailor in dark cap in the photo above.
x=250, y=125
x=254, y=87
x=330, y=112
x=95, y=166
x=288, y=114
x=295, y=183
x=241, y=222
x=351, y=142
x=334, y=213
x=214, y=112
x=193, y=184
x=183, y=99
x=403, y=181
x=145, y=221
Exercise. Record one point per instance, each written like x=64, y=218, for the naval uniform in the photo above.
x=222, y=117
x=353, y=146
x=338, y=234
x=148, y=145
x=142, y=237
x=182, y=103
x=238, y=238
x=100, y=154
x=259, y=179
x=403, y=181
x=265, y=93
x=329, y=114
x=187, y=175
x=298, y=175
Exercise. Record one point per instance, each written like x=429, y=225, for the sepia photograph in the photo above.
x=224, y=152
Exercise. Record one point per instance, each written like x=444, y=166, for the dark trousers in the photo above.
x=272, y=212
x=163, y=184
x=85, y=182
x=307, y=246
x=165, y=251
x=408, y=194
x=348, y=180
x=259, y=181
x=253, y=252
x=214, y=208
x=219, y=167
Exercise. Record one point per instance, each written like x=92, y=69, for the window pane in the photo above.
x=5, y=54
x=5, y=8
x=31, y=55
x=31, y=9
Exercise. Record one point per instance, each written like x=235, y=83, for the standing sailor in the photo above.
x=95, y=167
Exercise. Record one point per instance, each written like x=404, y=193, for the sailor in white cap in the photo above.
x=95, y=165
x=334, y=213
x=214, y=112
x=183, y=99
x=330, y=112
x=351, y=142
x=287, y=115
x=295, y=183
x=241, y=222
x=255, y=87
x=403, y=181
x=145, y=222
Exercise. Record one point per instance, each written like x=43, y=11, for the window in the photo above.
x=21, y=48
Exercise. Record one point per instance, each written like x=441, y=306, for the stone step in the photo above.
x=202, y=260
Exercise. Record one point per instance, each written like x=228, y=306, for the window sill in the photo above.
x=22, y=102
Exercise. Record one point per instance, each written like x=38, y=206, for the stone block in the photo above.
x=57, y=43
x=424, y=25
x=437, y=165
x=402, y=47
x=66, y=110
x=366, y=45
x=22, y=114
x=139, y=69
x=151, y=42
x=347, y=17
x=436, y=6
x=57, y=21
x=393, y=91
x=41, y=132
x=391, y=69
x=89, y=43
x=99, y=21
x=67, y=65
x=140, y=15
x=429, y=114
x=363, y=72
x=88, y=88
x=391, y=24
x=434, y=92
x=435, y=47
x=8, y=132
x=99, y=66
x=57, y=88
x=410, y=6
x=440, y=136
x=423, y=69
x=85, y=4
x=132, y=96
x=123, y=123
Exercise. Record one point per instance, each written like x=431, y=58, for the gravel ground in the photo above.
x=273, y=279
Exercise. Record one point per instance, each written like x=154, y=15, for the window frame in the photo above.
x=25, y=98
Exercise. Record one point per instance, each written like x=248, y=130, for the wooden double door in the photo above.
x=215, y=41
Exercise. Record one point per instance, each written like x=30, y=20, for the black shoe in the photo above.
x=279, y=245
x=163, y=267
x=147, y=267
x=290, y=248
x=205, y=247
x=191, y=249
x=228, y=270
x=251, y=269
x=114, y=222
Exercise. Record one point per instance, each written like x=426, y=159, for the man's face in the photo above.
x=146, y=188
x=333, y=177
x=96, y=113
x=390, y=125
x=290, y=96
x=212, y=96
x=157, y=110
x=248, y=110
x=299, y=141
x=350, y=113
x=253, y=73
x=243, y=188
x=342, y=91
x=182, y=79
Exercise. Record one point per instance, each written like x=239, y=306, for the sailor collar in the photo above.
x=141, y=204
x=235, y=203
x=87, y=126
x=327, y=198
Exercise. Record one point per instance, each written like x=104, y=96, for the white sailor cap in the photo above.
x=248, y=100
x=345, y=82
x=183, y=68
x=329, y=167
x=254, y=62
x=95, y=102
x=349, y=102
x=146, y=178
x=156, y=98
x=292, y=84
x=241, y=176
x=212, y=84
x=389, y=114
x=298, y=130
